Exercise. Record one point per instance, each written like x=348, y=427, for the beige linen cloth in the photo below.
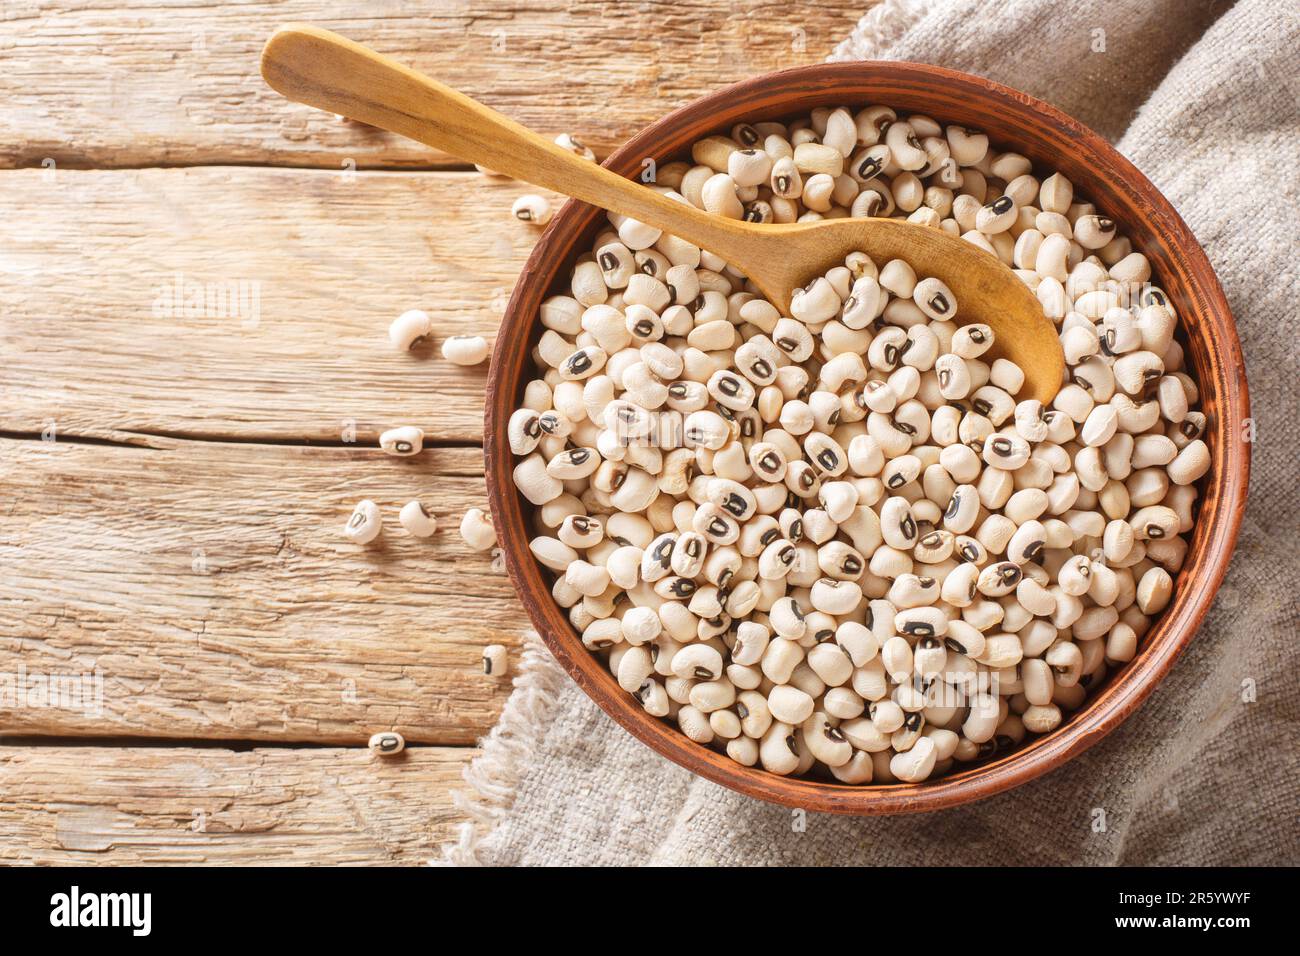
x=1203, y=97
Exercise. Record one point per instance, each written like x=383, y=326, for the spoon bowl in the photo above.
x=331, y=72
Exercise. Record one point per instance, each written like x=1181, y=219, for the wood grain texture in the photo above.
x=148, y=82
x=210, y=586
x=96, y=340
x=1119, y=190
x=124, y=806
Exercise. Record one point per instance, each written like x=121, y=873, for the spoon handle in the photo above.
x=331, y=72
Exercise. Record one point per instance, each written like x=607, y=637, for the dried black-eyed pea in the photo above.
x=617, y=264
x=1192, y=461
x=533, y=209
x=767, y=461
x=640, y=625
x=741, y=600
x=785, y=179
x=789, y=705
x=477, y=530
x=752, y=640
x=582, y=364
x=959, y=587
x=552, y=423
x=1093, y=232
x=732, y=497
x=793, y=338
x=404, y=441
x=917, y=762
x=1135, y=371
x=788, y=620
x=835, y=597
x=838, y=499
x=654, y=698
x=929, y=660
x=588, y=579
x=410, y=329
x=970, y=549
x=908, y=590
x=656, y=561
x=387, y=743
x=962, y=511
x=886, y=349
x=758, y=360
x=465, y=349
x=1121, y=644
x=698, y=662
x=1005, y=451
x=1154, y=591
x=1041, y=719
x=779, y=750
x=901, y=471
x=534, y=482
x=581, y=531
x=524, y=431
x=717, y=525
x=731, y=390
x=631, y=666
x=688, y=554
x=934, y=547
x=897, y=524
x=838, y=560
x=993, y=403
x=1154, y=522
x=573, y=463
x=999, y=579
x=710, y=696
x=790, y=524
x=825, y=741
x=675, y=588
x=869, y=163
x=1028, y=543
x=364, y=524
x=972, y=341
x=1030, y=420
x=996, y=216
x=781, y=656
x=1066, y=662
x=802, y=480
x=954, y=377
x=921, y=622
x=749, y=167
x=496, y=661
x=825, y=408
x=705, y=429
x=416, y=519
x=864, y=302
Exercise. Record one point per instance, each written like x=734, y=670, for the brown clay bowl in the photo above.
x=1050, y=139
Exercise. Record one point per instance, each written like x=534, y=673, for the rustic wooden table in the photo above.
x=191, y=656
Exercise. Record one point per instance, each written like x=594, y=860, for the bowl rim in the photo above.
x=1104, y=710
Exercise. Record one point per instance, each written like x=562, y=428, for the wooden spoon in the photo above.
x=325, y=70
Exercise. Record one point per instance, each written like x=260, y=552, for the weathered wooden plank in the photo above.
x=122, y=806
x=204, y=590
x=314, y=265
x=148, y=82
